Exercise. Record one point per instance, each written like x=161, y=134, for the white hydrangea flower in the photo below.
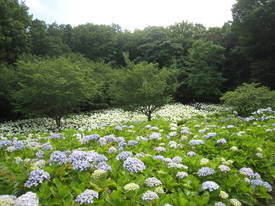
x=235, y=202
x=223, y=194
x=152, y=182
x=131, y=187
x=27, y=199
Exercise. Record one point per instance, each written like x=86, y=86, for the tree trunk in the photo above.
x=149, y=116
x=58, y=122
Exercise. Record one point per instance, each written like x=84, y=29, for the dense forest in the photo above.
x=208, y=61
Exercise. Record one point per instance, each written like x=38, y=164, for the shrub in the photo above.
x=248, y=98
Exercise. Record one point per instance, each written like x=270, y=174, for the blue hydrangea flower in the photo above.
x=155, y=135
x=205, y=171
x=87, y=197
x=124, y=155
x=36, y=177
x=210, y=185
x=185, y=130
x=132, y=143
x=258, y=182
x=112, y=150
x=58, y=157
x=196, y=142
x=47, y=146
x=133, y=165
x=39, y=154
x=5, y=143
x=103, y=166
x=56, y=136
x=82, y=160
x=88, y=138
x=159, y=149
x=19, y=145
x=149, y=196
x=247, y=172
x=209, y=135
x=221, y=141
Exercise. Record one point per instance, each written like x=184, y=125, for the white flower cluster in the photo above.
x=210, y=185
x=100, y=119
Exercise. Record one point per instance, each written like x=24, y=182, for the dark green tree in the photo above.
x=204, y=77
x=143, y=88
x=47, y=40
x=14, y=26
x=52, y=87
x=254, y=23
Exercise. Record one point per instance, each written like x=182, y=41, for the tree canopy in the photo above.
x=51, y=87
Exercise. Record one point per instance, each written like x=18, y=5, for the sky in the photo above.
x=132, y=14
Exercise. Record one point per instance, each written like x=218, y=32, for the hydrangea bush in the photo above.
x=216, y=159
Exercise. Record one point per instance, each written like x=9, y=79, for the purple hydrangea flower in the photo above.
x=124, y=155
x=58, y=157
x=133, y=165
x=36, y=177
x=39, y=154
x=205, y=171
x=86, y=197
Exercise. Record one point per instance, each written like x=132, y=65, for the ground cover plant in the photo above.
x=211, y=159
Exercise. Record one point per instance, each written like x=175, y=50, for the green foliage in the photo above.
x=51, y=87
x=14, y=21
x=66, y=183
x=249, y=97
x=143, y=87
x=254, y=22
x=204, y=77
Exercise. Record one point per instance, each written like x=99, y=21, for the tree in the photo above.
x=247, y=98
x=254, y=23
x=143, y=88
x=14, y=24
x=204, y=77
x=51, y=87
x=47, y=40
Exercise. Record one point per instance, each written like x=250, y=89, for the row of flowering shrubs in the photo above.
x=207, y=160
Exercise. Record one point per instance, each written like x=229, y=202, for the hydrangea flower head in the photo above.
x=221, y=141
x=205, y=171
x=190, y=154
x=152, y=182
x=28, y=198
x=149, y=196
x=131, y=187
x=235, y=202
x=247, y=172
x=181, y=175
x=224, y=168
x=194, y=142
x=87, y=197
x=58, y=157
x=124, y=155
x=210, y=185
x=36, y=177
x=133, y=165
x=223, y=195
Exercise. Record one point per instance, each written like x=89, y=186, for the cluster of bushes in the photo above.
x=55, y=87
